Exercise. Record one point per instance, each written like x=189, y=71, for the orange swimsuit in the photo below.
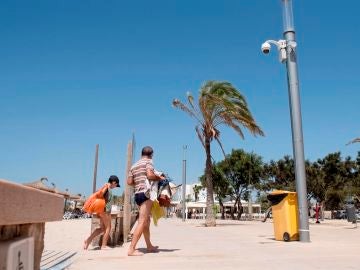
x=96, y=202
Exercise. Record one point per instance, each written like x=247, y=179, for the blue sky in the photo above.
x=78, y=73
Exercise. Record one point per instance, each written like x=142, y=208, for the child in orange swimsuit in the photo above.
x=96, y=205
x=96, y=202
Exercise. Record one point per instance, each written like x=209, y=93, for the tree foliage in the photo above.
x=219, y=103
x=197, y=189
x=280, y=174
x=234, y=176
x=330, y=180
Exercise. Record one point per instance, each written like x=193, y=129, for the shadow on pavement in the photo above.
x=158, y=250
x=223, y=225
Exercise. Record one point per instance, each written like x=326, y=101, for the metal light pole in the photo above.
x=296, y=124
x=287, y=53
x=184, y=183
x=250, y=212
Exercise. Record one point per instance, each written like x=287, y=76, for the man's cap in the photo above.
x=114, y=178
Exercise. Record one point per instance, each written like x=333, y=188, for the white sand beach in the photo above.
x=67, y=234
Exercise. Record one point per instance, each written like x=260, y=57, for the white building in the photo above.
x=197, y=208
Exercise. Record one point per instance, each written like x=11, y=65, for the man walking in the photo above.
x=140, y=173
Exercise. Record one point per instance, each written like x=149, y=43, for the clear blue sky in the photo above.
x=78, y=73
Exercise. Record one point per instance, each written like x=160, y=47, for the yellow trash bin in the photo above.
x=284, y=208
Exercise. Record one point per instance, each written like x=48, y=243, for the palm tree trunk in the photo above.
x=322, y=210
x=240, y=210
x=233, y=208
x=210, y=218
x=222, y=208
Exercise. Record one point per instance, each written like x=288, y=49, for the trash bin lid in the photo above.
x=277, y=192
x=277, y=196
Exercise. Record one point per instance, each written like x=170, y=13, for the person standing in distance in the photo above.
x=139, y=175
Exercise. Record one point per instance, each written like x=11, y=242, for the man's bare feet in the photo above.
x=152, y=249
x=135, y=253
x=105, y=248
x=86, y=245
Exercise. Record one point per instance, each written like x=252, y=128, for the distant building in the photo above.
x=197, y=208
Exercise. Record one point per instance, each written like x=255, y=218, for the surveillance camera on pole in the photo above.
x=281, y=47
x=287, y=54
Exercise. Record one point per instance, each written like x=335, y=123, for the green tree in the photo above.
x=197, y=189
x=280, y=174
x=262, y=200
x=331, y=180
x=242, y=170
x=218, y=103
x=355, y=181
x=335, y=177
x=315, y=181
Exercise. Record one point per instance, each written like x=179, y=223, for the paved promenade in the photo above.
x=230, y=245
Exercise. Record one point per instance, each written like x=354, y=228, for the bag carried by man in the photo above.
x=164, y=193
x=162, y=190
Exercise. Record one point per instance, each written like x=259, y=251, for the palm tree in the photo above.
x=197, y=190
x=356, y=140
x=219, y=103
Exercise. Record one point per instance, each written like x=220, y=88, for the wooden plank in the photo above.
x=46, y=254
x=62, y=265
x=95, y=167
x=57, y=260
x=127, y=195
x=51, y=258
x=22, y=205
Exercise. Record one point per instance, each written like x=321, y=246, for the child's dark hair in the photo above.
x=114, y=178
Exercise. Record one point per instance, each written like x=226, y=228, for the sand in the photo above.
x=67, y=234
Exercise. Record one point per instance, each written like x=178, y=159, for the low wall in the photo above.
x=23, y=213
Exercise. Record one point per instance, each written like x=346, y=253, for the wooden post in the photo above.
x=95, y=167
x=127, y=195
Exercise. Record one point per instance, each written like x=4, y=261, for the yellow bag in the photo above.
x=157, y=212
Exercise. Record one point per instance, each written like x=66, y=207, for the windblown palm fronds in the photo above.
x=356, y=140
x=219, y=103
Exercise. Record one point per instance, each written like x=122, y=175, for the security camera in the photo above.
x=281, y=46
x=265, y=47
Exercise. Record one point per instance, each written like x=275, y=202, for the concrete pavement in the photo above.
x=233, y=245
